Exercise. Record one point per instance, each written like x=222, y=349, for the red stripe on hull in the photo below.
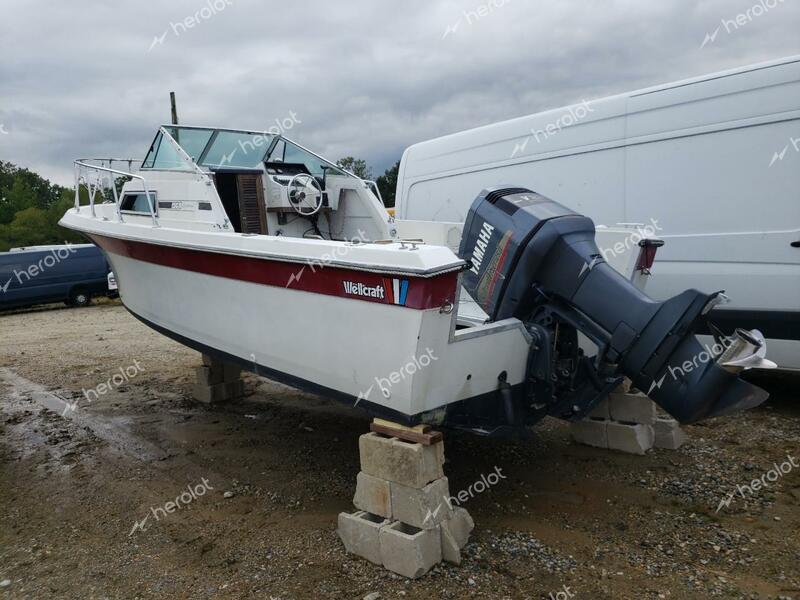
x=423, y=293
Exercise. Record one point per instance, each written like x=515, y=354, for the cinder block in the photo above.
x=214, y=371
x=451, y=552
x=221, y=392
x=424, y=508
x=401, y=462
x=409, y=551
x=668, y=434
x=360, y=534
x=373, y=495
x=600, y=411
x=633, y=439
x=207, y=394
x=230, y=372
x=455, y=535
x=206, y=375
x=461, y=525
x=632, y=408
x=624, y=387
x=590, y=433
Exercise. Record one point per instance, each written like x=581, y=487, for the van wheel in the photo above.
x=79, y=298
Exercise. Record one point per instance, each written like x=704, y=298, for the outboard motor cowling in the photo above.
x=536, y=260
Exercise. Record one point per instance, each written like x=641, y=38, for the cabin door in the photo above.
x=251, y=203
x=243, y=199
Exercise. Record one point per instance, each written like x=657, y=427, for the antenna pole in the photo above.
x=174, y=108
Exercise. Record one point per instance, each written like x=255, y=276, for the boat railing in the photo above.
x=99, y=177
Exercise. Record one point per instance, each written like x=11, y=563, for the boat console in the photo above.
x=266, y=184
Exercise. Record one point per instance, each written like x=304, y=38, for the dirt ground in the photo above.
x=276, y=468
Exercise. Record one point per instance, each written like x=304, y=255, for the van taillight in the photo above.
x=647, y=254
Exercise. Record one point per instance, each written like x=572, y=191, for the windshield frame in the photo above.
x=199, y=164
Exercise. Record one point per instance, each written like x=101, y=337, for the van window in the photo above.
x=137, y=202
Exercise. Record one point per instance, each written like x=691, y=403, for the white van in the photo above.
x=712, y=162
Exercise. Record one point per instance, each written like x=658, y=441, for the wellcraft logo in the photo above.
x=391, y=291
x=359, y=289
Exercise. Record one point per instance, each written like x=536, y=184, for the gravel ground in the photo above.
x=565, y=522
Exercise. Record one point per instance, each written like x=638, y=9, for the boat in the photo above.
x=253, y=249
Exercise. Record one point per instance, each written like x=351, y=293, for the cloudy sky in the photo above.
x=365, y=77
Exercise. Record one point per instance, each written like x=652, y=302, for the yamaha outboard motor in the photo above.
x=536, y=260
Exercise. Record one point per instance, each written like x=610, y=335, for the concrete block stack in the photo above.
x=217, y=381
x=628, y=421
x=405, y=519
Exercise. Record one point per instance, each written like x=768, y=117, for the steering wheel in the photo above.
x=305, y=194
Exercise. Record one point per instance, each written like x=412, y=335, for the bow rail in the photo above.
x=96, y=177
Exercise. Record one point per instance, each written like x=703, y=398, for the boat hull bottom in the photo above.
x=494, y=426
x=285, y=378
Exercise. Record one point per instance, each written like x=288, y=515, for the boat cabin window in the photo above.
x=193, y=141
x=136, y=202
x=288, y=152
x=164, y=155
x=236, y=149
x=222, y=148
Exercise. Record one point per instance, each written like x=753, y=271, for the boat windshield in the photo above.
x=288, y=152
x=236, y=149
x=223, y=148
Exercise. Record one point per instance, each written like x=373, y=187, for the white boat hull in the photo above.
x=397, y=360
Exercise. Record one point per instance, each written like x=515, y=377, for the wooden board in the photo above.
x=420, y=434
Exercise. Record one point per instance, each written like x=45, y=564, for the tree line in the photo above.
x=31, y=206
x=387, y=183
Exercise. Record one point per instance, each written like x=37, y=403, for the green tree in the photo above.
x=387, y=184
x=18, y=197
x=30, y=208
x=44, y=193
x=30, y=227
x=356, y=166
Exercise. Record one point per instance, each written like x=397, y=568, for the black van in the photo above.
x=70, y=273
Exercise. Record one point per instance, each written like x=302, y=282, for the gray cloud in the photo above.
x=366, y=78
